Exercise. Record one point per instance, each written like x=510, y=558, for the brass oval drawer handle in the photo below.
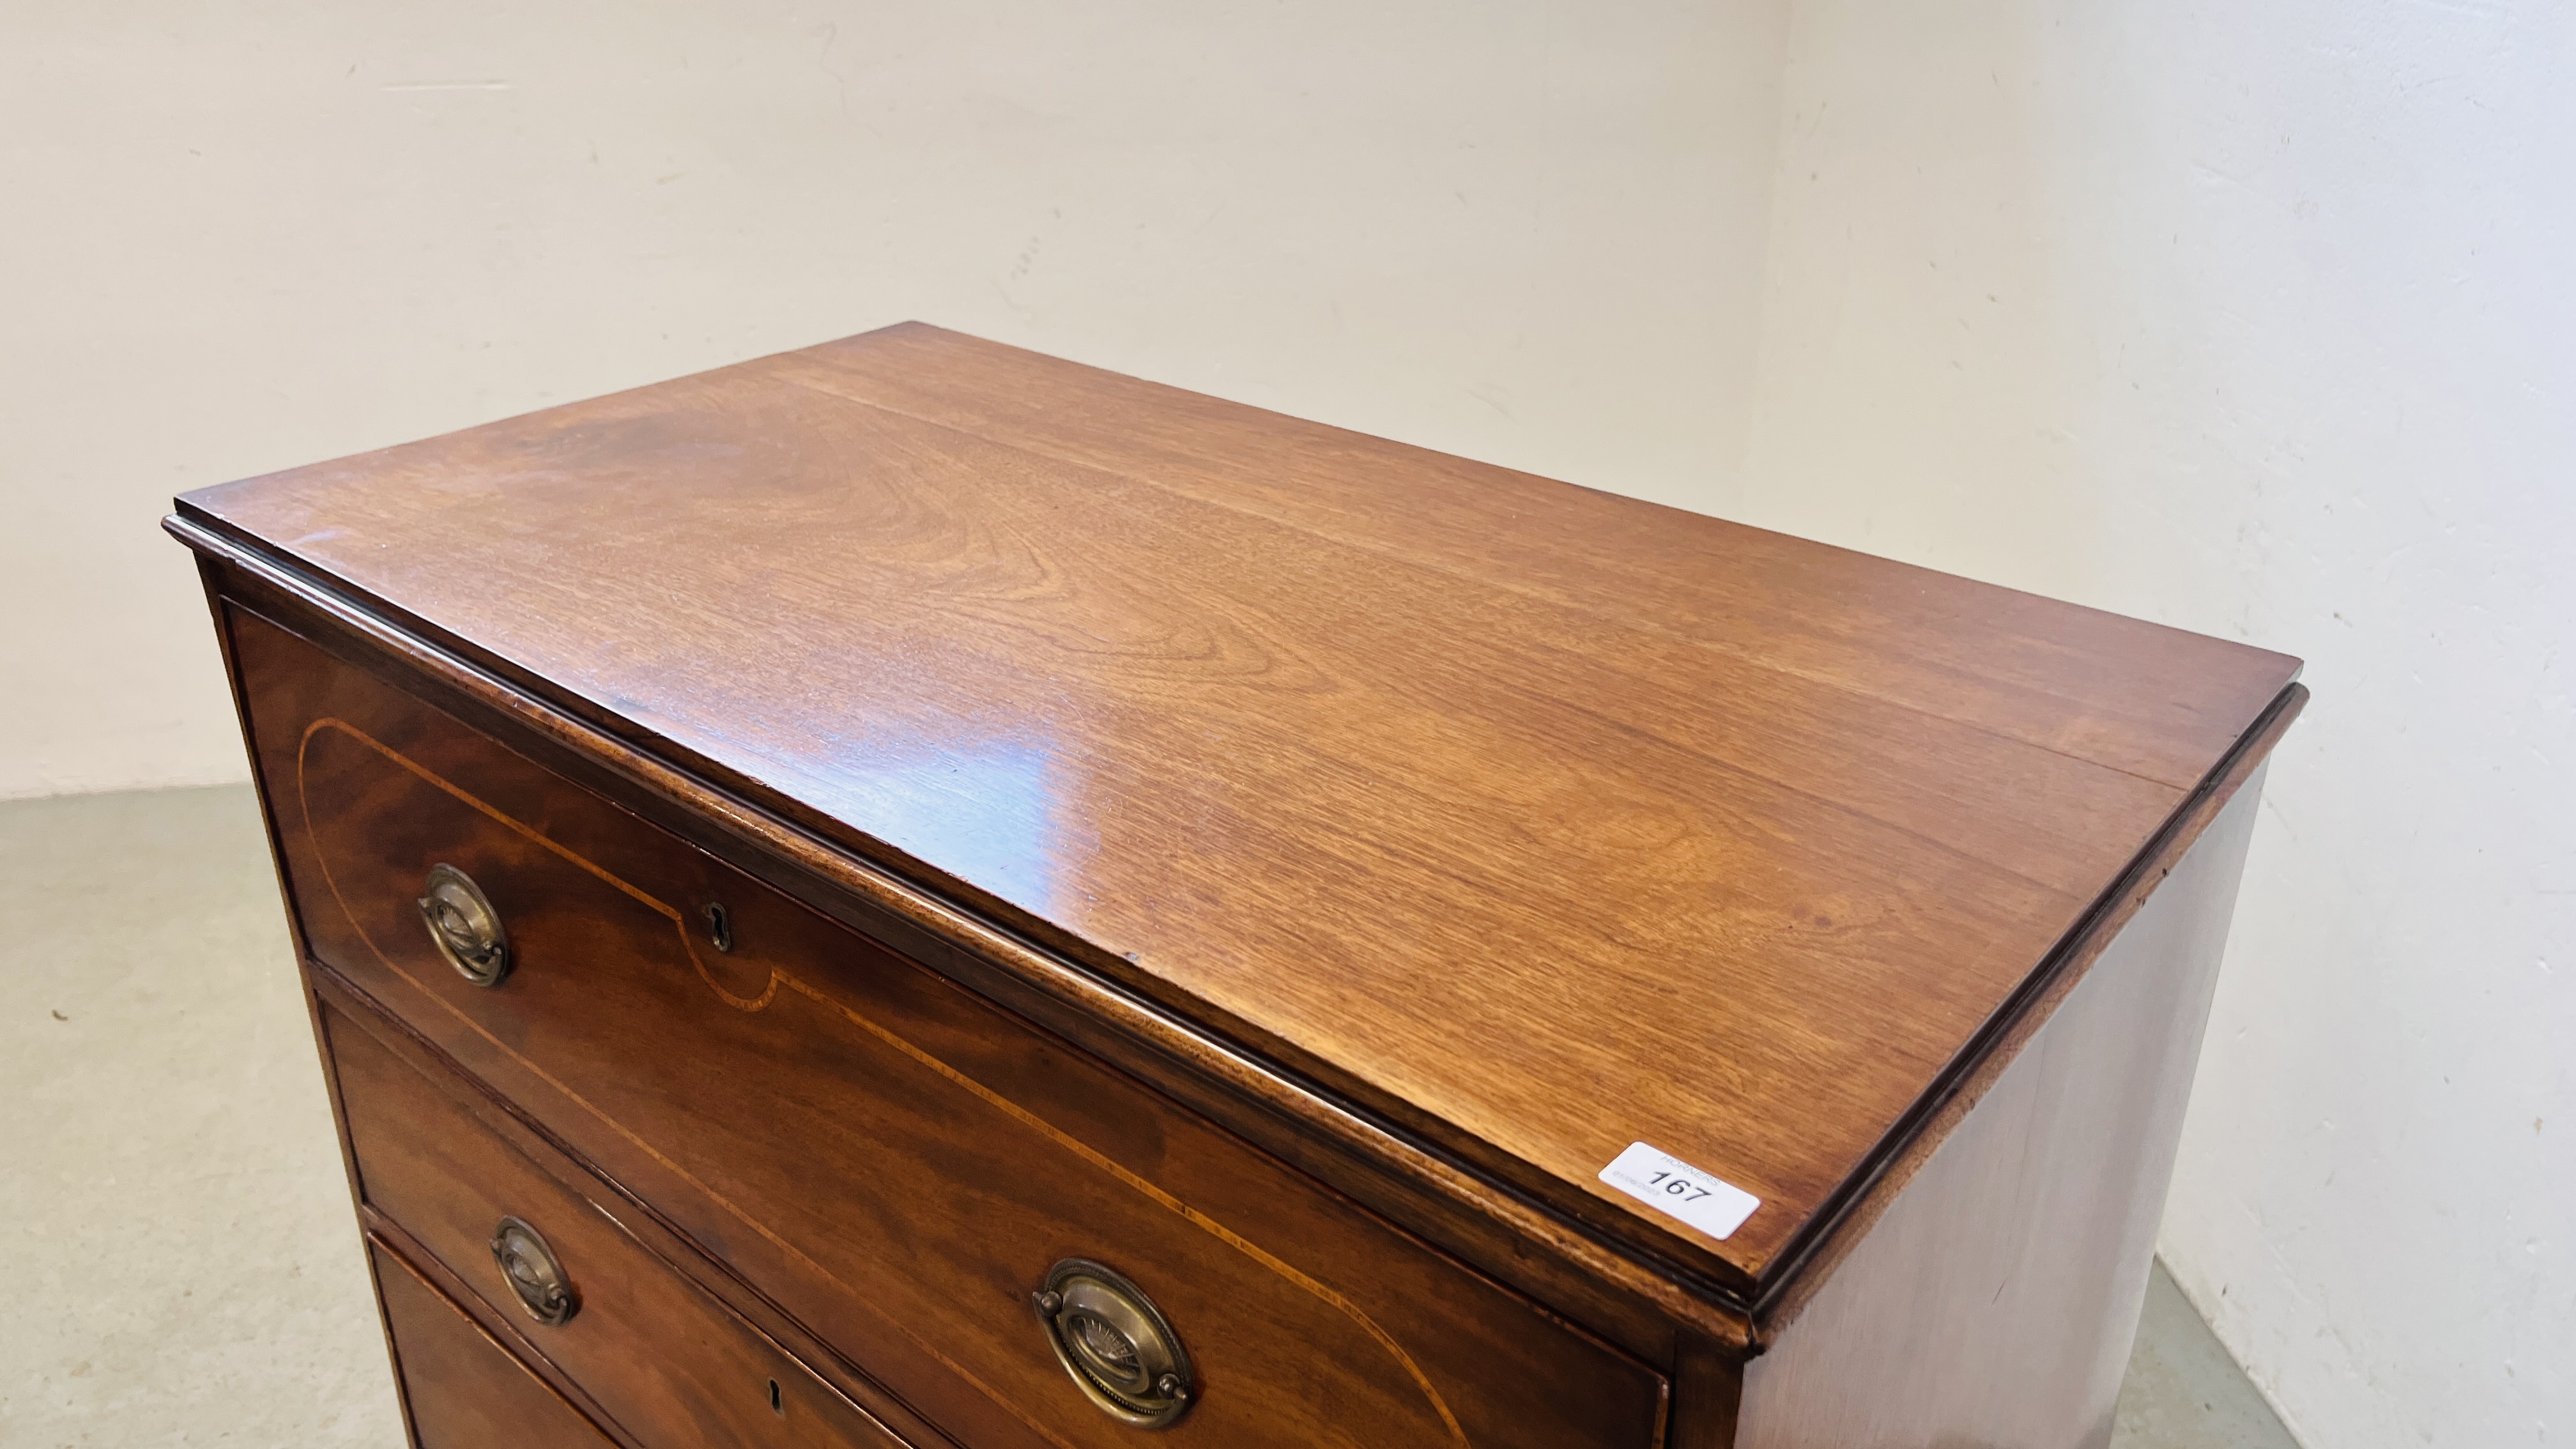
x=1114, y=1342
x=468, y=931
x=534, y=1273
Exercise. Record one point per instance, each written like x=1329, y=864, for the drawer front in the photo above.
x=462, y=1389
x=893, y=1162
x=668, y=1364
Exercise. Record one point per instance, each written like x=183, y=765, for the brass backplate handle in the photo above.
x=533, y=1272
x=1115, y=1344
x=464, y=925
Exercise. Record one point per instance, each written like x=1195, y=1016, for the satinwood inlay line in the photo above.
x=778, y=977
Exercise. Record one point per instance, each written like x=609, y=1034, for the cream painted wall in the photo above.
x=246, y=236
x=2261, y=320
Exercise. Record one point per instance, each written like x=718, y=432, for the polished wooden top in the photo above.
x=1534, y=820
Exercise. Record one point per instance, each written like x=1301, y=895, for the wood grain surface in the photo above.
x=1536, y=820
x=892, y=1162
x=461, y=1389
x=1634, y=1300
x=669, y=1365
x=1995, y=1302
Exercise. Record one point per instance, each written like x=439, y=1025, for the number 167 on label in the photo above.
x=1669, y=1185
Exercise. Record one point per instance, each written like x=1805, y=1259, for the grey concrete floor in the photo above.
x=177, y=1254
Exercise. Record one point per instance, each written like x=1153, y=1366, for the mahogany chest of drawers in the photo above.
x=910, y=893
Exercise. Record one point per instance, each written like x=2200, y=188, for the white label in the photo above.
x=1665, y=1182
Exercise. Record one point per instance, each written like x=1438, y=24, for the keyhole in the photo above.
x=720, y=927
x=777, y=1403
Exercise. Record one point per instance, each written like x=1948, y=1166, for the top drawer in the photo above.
x=887, y=1158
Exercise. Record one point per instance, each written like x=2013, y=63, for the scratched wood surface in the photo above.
x=1538, y=820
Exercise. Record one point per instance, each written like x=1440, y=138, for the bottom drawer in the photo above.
x=667, y=1363
x=462, y=1389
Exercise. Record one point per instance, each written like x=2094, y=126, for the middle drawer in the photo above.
x=673, y=1367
